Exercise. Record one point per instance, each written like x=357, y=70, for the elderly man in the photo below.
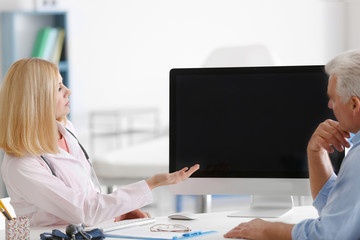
x=337, y=198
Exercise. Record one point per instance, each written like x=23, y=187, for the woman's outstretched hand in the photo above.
x=171, y=178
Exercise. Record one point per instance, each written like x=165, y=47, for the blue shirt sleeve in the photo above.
x=300, y=230
x=338, y=206
x=322, y=196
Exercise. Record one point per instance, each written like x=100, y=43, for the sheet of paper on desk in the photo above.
x=143, y=232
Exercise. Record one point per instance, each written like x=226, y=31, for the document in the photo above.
x=143, y=232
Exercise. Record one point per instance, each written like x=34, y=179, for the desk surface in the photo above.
x=212, y=221
x=139, y=161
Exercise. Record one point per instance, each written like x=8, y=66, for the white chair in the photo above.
x=241, y=56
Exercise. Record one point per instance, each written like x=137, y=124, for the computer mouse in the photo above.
x=183, y=216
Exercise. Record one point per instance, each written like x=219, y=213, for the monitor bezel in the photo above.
x=336, y=157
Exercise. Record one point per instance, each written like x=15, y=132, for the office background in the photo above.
x=120, y=51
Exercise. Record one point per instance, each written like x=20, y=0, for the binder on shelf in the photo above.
x=59, y=43
x=40, y=42
x=49, y=43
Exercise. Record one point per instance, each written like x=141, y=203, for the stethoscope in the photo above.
x=93, y=174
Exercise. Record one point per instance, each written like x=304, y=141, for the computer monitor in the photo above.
x=248, y=128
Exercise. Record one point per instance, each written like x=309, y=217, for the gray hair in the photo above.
x=346, y=68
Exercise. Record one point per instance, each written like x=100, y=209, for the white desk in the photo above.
x=212, y=221
x=138, y=161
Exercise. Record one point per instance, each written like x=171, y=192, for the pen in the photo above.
x=193, y=234
x=7, y=216
x=3, y=209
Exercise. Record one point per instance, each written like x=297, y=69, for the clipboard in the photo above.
x=167, y=236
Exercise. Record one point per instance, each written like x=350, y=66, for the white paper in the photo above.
x=143, y=232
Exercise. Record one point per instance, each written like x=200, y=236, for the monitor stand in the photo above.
x=265, y=206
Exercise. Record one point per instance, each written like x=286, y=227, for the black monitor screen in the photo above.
x=246, y=122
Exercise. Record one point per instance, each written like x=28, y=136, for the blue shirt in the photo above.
x=338, y=203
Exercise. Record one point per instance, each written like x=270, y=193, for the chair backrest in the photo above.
x=6, y=202
x=241, y=56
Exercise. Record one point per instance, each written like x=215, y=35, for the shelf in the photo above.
x=63, y=66
x=18, y=34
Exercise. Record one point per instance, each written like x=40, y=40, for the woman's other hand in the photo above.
x=171, y=178
x=132, y=215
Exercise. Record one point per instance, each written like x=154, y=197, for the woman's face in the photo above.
x=62, y=103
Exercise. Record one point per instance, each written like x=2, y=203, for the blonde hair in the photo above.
x=28, y=96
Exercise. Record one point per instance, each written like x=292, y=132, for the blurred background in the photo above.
x=118, y=55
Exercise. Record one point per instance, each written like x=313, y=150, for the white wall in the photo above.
x=352, y=25
x=121, y=51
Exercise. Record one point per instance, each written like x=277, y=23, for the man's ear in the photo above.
x=355, y=104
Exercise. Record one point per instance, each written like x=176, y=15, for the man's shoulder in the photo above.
x=350, y=167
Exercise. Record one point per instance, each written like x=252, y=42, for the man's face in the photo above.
x=342, y=111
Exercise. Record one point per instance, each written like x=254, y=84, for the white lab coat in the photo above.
x=67, y=197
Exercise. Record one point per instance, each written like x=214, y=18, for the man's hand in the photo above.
x=249, y=230
x=132, y=215
x=326, y=135
x=171, y=178
x=260, y=229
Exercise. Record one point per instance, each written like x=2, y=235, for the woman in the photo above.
x=47, y=174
